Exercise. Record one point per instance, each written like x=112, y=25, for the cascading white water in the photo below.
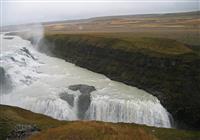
x=128, y=110
x=38, y=80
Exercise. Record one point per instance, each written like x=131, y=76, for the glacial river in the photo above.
x=40, y=83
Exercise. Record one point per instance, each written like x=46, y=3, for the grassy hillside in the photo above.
x=52, y=129
x=11, y=116
x=183, y=27
x=112, y=131
x=150, y=45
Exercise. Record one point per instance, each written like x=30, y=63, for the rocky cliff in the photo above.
x=174, y=78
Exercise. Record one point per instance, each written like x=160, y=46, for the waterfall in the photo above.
x=104, y=108
x=59, y=89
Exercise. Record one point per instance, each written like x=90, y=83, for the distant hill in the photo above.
x=183, y=27
x=93, y=19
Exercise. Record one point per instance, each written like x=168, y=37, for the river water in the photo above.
x=37, y=82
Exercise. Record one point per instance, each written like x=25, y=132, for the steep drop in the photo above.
x=45, y=85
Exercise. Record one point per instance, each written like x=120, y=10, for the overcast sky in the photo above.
x=28, y=11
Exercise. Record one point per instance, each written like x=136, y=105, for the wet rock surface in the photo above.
x=67, y=97
x=84, y=89
x=84, y=99
x=27, y=52
x=5, y=82
x=9, y=38
x=2, y=75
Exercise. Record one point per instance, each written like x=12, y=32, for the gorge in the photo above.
x=166, y=68
x=59, y=89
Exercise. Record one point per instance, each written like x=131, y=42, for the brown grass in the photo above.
x=184, y=27
x=94, y=131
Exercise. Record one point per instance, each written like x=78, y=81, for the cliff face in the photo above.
x=173, y=79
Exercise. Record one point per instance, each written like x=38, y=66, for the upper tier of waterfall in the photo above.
x=40, y=83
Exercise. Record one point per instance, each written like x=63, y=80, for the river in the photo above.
x=40, y=83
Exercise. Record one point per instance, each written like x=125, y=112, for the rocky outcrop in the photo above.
x=22, y=132
x=84, y=98
x=173, y=79
x=9, y=38
x=27, y=53
x=2, y=75
x=84, y=89
x=5, y=82
x=69, y=98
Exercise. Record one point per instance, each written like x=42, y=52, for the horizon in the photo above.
x=74, y=20
x=20, y=12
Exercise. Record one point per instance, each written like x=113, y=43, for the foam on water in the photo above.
x=38, y=80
